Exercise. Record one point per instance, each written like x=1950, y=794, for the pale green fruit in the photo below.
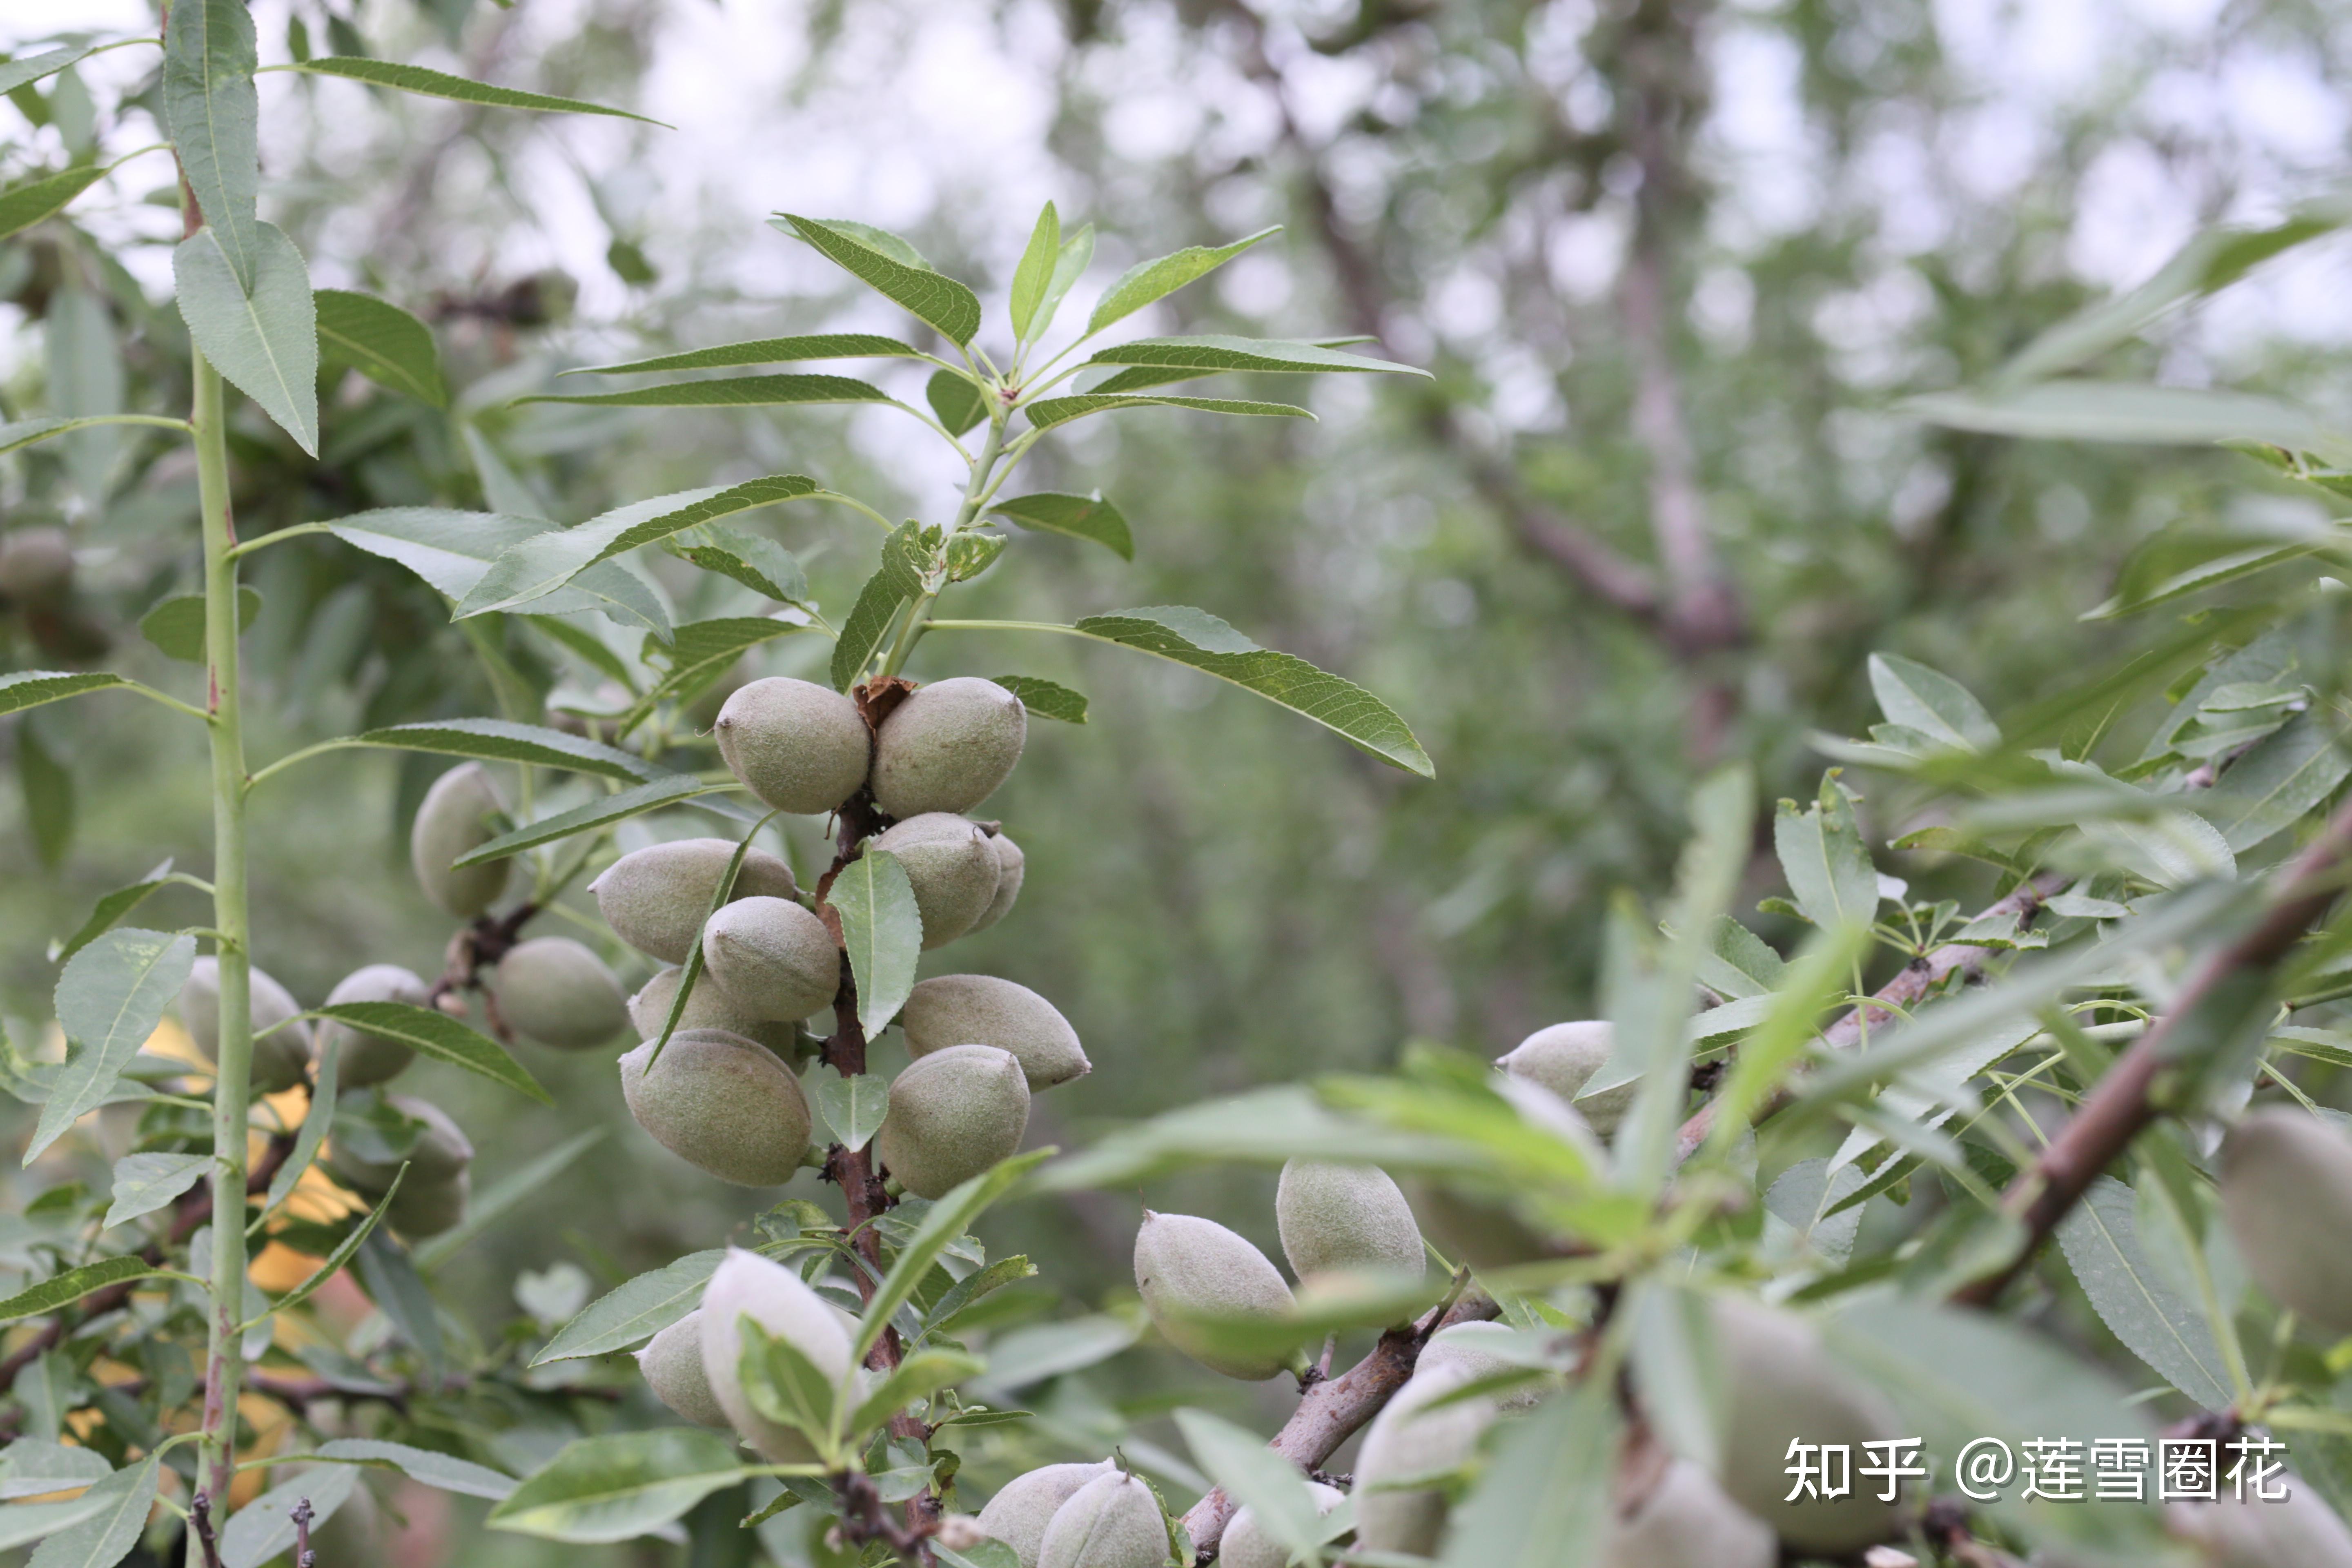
x=1011, y=866
x=2286, y=1192
x=947, y=747
x=951, y=868
x=707, y=1009
x=1563, y=1059
x=455, y=818
x=281, y=1057
x=1190, y=1268
x=364, y=1058
x=1785, y=1387
x=1247, y=1546
x=798, y=746
x=557, y=991
x=655, y=897
x=952, y=1114
x=1408, y=1442
x=1019, y=1514
x=423, y=1208
x=2300, y=1532
x=441, y=1154
x=1480, y=1348
x=672, y=1365
x=982, y=1010
x=1345, y=1217
x=721, y=1104
x=747, y=1285
x=774, y=958
x=1112, y=1522
x=37, y=565
x=1687, y=1522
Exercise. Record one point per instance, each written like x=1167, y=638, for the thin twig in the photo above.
x=200, y=1520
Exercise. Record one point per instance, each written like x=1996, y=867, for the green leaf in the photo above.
x=263, y=1528
x=22, y=206
x=1049, y=412
x=103, y=1536
x=635, y=1310
x=1080, y=516
x=1931, y=702
x=176, y=627
x=72, y=1286
x=109, y=998
x=263, y=338
x=339, y=1258
x=782, y=1384
x=213, y=115
x=1216, y=353
x=2123, y=411
x=972, y=1287
x=720, y=894
x=942, y=1222
x=899, y=579
x=429, y=1032
x=760, y=563
x=1741, y=966
x=1033, y=1354
x=32, y=687
x=31, y=68
x=596, y=813
x=1035, y=273
x=440, y=84
x=1822, y=856
x=1077, y=253
x=853, y=1107
x=892, y=270
x=535, y=567
x=959, y=404
x=1149, y=280
x=48, y=790
x=443, y=1472
x=451, y=550
x=2274, y=786
x=732, y=391
x=501, y=740
x=491, y=1204
x=1045, y=699
x=1257, y=1479
x=764, y=351
x=316, y=1118
x=917, y=1377
x=31, y=1468
x=1675, y=1361
x=619, y=1486
x=702, y=653
x=393, y=1283
x=2100, y=1239
x=145, y=1182
x=1543, y=1499
x=882, y=931
x=383, y=341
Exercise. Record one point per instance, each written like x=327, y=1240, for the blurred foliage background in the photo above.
x=1672, y=263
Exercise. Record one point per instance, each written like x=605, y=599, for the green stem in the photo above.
x=231, y=1091
x=975, y=494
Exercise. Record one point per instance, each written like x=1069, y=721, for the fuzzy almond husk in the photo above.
x=1011, y=867
x=772, y=958
x=1190, y=1268
x=723, y=1104
x=2286, y=1193
x=1784, y=1386
x=1246, y=1545
x=363, y=1058
x=748, y=1285
x=798, y=746
x=947, y=746
x=1019, y=1515
x=1345, y=1217
x=655, y=897
x=455, y=818
x=951, y=868
x=557, y=991
x=282, y=1054
x=952, y=1114
x=672, y=1365
x=1112, y=1522
x=982, y=1010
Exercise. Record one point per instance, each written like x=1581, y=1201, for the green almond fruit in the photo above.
x=1785, y=1388
x=947, y=747
x=363, y=1058
x=37, y=565
x=982, y=1010
x=1485, y=1350
x=709, y=1008
x=672, y=1365
x=655, y=897
x=1019, y=1515
x=1011, y=866
x=457, y=816
x=1112, y=1522
x=798, y=746
x=1687, y=1522
x=2286, y=1193
x=281, y=1047
x=557, y=991
x=1246, y=1545
x=1409, y=1451
x=952, y=868
x=441, y=1154
x=1563, y=1059
x=721, y=1104
x=772, y=958
x=1335, y=1217
x=1190, y=1270
x=2300, y=1532
x=423, y=1208
x=747, y=1285
x=952, y=1115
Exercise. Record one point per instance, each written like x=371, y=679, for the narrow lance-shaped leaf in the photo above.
x=785, y=1386
x=1544, y=1498
x=587, y=818
x=733, y=392
x=946, y=1219
x=440, y=84
x=1077, y=253
x=27, y=204
x=383, y=341
x=1214, y=354
x=635, y=1310
x=619, y=1486
x=763, y=351
x=1080, y=516
x=213, y=114
x=340, y=1258
x=1257, y=1479
x=1147, y=281
x=32, y=687
x=500, y=740
x=109, y=998
x=31, y=68
x=1052, y=411
x=917, y=1377
x=720, y=895
x=313, y=1133
x=430, y=1032
x=1045, y=699
x=145, y=1182
x=757, y=562
x=1827, y=864
x=881, y=930
x=899, y=579
x=60, y=1290
x=1912, y=695
x=111, y=909
x=2274, y=786
x=451, y=550
x=263, y=336
x=701, y=655
x=2099, y=1238
x=443, y=1472
x=1034, y=275
x=945, y=303
x=2073, y=410
x=104, y=1536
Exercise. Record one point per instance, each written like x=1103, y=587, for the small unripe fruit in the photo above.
x=655, y=897
x=1011, y=866
x=441, y=1154
x=1687, y=1522
x=772, y=958
x=37, y=565
x=455, y=818
x=1475, y=1348
x=747, y=1285
x=799, y=746
x=2300, y=1532
x=1563, y=1059
x=1112, y=1522
x=672, y=1365
x=707, y=1009
x=952, y=1114
x=2286, y=1192
x=280, y=1056
x=557, y=991
x=951, y=868
x=947, y=747
x=1409, y=1442
x=1190, y=1268
x=982, y=1010
x=1784, y=1388
x=1345, y=1217
x=1019, y=1515
x=363, y=1058
x=423, y=1208
x=721, y=1104
x=1248, y=1546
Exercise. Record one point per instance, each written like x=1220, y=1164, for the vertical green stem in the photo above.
x=231, y=1093
x=975, y=494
